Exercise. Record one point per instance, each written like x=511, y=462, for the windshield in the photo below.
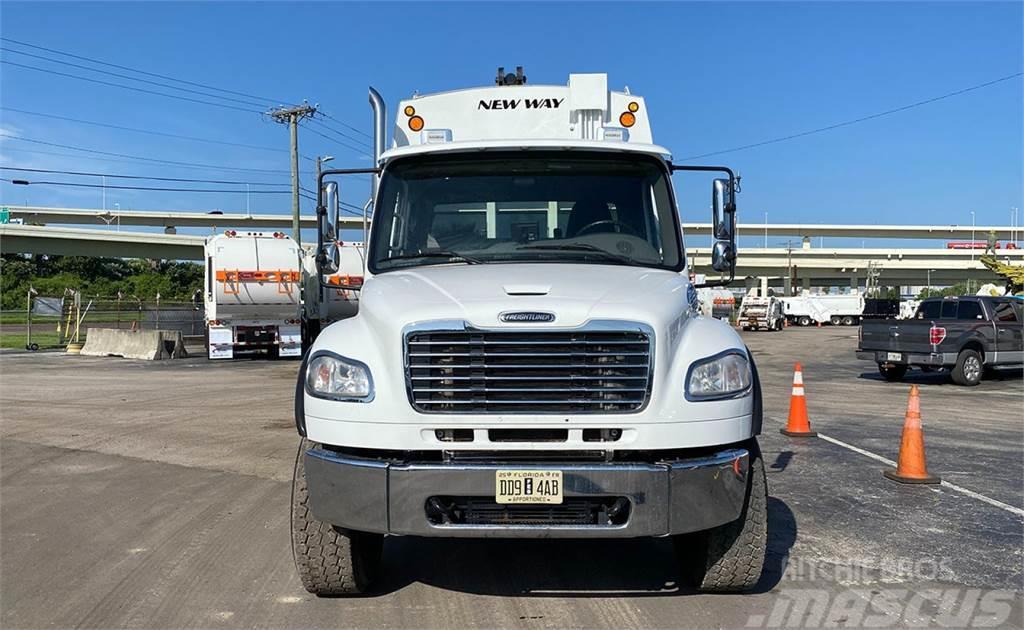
x=590, y=208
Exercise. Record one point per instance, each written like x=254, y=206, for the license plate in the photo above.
x=893, y=356
x=528, y=486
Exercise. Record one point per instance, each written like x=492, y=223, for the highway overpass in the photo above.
x=811, y=266
x=35, y=215
x=174, y=219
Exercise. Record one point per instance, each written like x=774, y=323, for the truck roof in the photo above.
x=583, y=114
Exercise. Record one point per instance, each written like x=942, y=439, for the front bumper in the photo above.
x=669, y=497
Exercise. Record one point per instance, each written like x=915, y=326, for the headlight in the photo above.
x=337, y=378
x=720, y=376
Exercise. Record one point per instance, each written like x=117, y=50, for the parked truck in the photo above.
x=527, y=359
x=964, y=335
x=252, y=294
x=807, y=309
x=337, y=296
x=761, y=312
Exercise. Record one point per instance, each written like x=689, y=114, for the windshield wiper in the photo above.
x=437, y=253
x=585, y=247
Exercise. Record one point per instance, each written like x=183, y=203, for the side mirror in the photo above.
x=723, y=257
x=723, y=210
x=328, y=257
x=723, y=217
x=329, y=260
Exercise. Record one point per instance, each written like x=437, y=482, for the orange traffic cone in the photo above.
x=798, y=425
x=911, y=467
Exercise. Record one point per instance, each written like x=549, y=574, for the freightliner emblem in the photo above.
x=527, y=316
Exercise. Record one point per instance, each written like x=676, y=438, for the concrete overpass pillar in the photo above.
x=853, y=282
x=806, y=284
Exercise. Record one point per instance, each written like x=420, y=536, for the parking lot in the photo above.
x=156, y=495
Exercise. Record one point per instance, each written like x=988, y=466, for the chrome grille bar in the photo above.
x=536, y=371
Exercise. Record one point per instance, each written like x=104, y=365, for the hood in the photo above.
x=479, y=294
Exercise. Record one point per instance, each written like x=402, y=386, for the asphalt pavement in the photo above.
x=156, y=495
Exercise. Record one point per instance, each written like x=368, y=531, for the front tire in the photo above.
x=968, y=368
x=804, y=321
x=729, y=558
x=330, y=561
x=892, y=373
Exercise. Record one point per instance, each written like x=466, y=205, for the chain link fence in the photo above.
x=55, y=321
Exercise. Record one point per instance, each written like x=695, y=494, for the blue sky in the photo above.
x=715, y=76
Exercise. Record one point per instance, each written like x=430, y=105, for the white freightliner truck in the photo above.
x=527, y=359
x=252, y=294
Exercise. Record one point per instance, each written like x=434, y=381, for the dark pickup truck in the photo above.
x=965, y=335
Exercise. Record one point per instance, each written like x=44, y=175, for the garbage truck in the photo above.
x=252, y=294
x=527, y=359
x=761, y=312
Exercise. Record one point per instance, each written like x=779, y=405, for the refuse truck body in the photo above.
x=252, y=294
x=761, y=313
x=528, y=359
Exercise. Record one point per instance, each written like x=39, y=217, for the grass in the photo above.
x=46, y=338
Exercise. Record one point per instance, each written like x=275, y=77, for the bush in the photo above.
x=103, y=277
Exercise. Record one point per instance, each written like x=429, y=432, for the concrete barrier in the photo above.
x=149, y=345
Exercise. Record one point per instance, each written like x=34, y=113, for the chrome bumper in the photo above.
x=936, y=359
x=670, y=497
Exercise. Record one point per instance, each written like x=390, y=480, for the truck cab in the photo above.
x=528, y=359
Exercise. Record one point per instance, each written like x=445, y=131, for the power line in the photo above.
x=335, y=140
x=345, y=124
x=151, y=188
x=146, y=159
x=146, y=131
x=145, y=177
x=139, y=161
x=129, y=87
x=337, y=131
x=131, y=78
x=144, y=72
x=858, y=120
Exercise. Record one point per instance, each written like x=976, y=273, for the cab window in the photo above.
x=929, y=310
x=969, y=311
x=1005, y=312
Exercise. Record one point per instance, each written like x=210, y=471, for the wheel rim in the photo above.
x=972, y=368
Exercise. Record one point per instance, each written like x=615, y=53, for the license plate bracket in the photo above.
x=528, y=486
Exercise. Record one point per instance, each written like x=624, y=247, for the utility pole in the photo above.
x=320, y=161
x=292, y=116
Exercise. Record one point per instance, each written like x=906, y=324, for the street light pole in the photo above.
x=1013, y=225
x=766, y=229
x=972, y=248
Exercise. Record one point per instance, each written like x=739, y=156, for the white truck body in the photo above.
x=527, y=334
x=252, y=294
x=329, y=302
x=807, y=309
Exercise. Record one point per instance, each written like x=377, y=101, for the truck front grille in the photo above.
x=476, y=371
